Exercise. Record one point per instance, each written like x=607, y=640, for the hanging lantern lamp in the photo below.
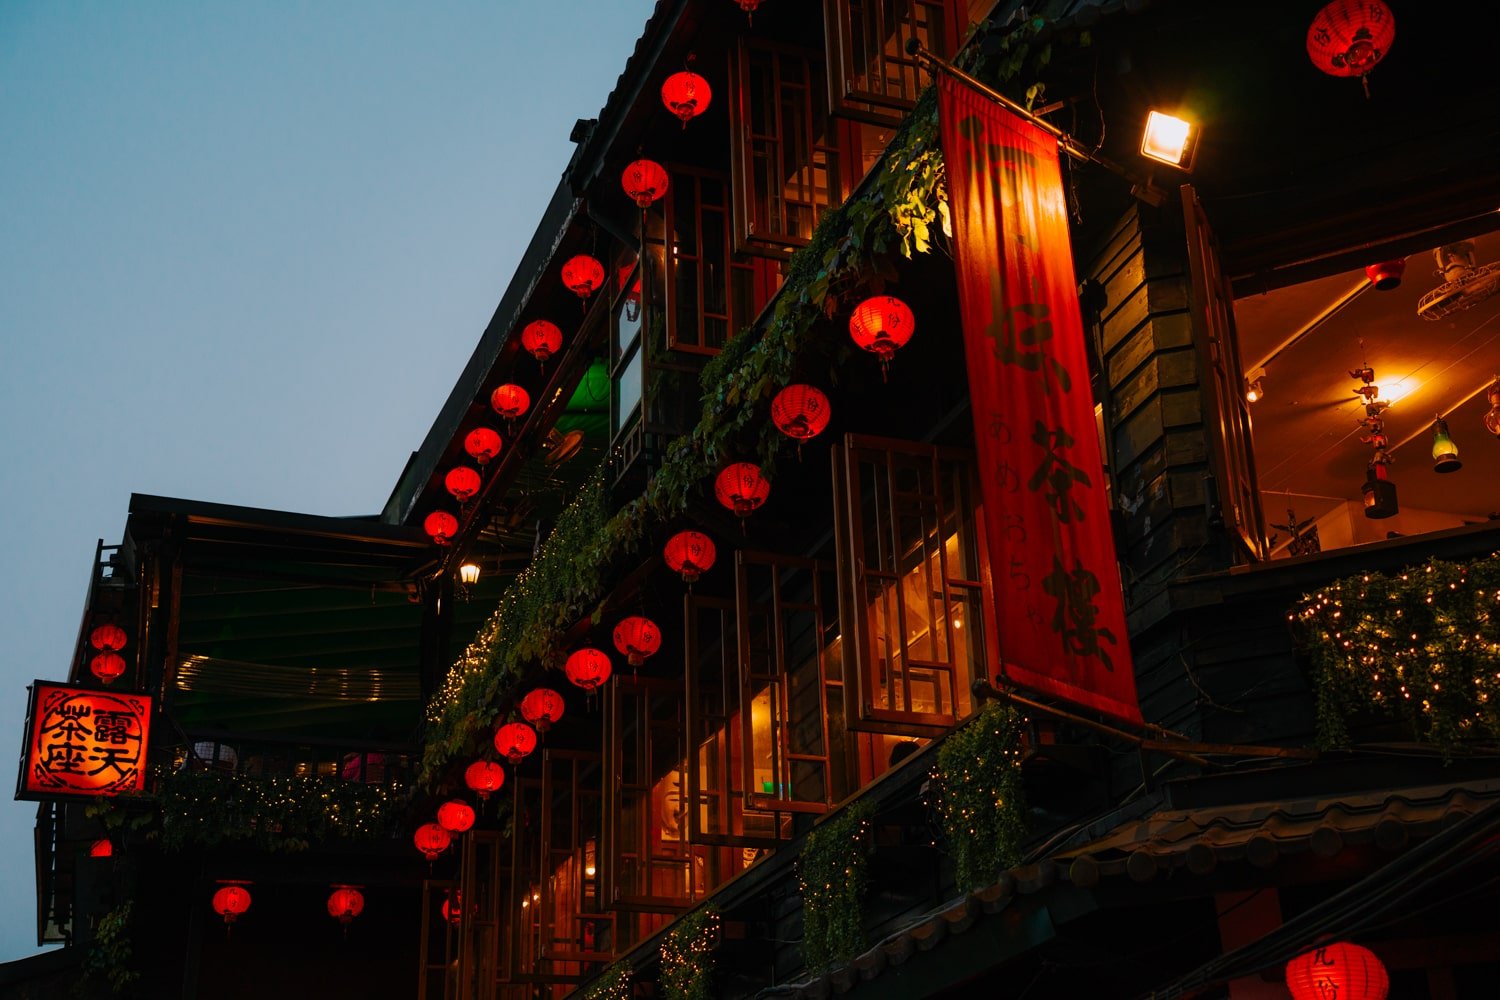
x=510, y=400
x=107, y=666
x=542, y=339
x=1348, y=37
x=453, y=905
x=1444, y=451
x=749, y=7
x=637, y=637
x=644, y=181
x=583, y=275
x=482, y=444
x=231, y=901
x=1343, y=970
x=588, y=668
x=1491, y=418
x=542, y=708
x=1387, y=274
x=686, y=95
x=442, y=526
x=515, y=740
x=462, y=482
x=345, y=903
x=882, y=325
x=741, y=487
x=484, y=778
x=456, y=816
x=690, y=554
x=800, y=412
x=108, y=637
x=432, y=840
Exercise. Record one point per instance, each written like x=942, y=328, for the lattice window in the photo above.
x=870, y=75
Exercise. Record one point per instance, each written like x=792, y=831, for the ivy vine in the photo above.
x=833, y=879
x=111, y=957
x=687, y=961
x=979, y=798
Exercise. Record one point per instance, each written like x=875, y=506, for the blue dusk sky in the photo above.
x=245, y=251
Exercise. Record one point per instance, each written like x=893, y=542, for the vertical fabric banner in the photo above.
x=1057, y=589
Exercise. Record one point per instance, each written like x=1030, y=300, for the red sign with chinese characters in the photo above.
x=84, y=742
x=1057, y=586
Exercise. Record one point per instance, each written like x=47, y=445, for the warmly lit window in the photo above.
x=912, y=581
x=626, y=354
x=869, y=73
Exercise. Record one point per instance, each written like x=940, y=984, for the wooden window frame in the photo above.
x=883, y=106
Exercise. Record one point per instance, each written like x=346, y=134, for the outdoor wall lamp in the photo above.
x=1444, y=451
x=1255, y=386
x=1170, y=140
x=468, y=574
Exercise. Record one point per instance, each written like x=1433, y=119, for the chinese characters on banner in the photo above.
x=1057, y=586
x=84, y=742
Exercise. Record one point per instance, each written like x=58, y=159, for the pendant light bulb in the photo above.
x=1444, y=451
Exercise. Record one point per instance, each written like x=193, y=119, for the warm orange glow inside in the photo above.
x=84, y=742
x=1168, y=139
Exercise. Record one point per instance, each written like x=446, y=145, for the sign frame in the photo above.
x=48, y=697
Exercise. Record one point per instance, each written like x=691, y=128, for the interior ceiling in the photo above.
x=1308, y=448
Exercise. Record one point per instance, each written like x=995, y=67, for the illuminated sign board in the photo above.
x=81, y=742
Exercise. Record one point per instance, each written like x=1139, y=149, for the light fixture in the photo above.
x=1170, y=140
x=1492, y=418
x=1444, y=451
x=1379, y=493
x=468, y=574
x=1255, y=386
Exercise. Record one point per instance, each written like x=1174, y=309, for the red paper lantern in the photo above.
x=107, y=666
x=748, y=6
x=441, y=525
x=690, y=553
x=463, y=482
x=800, y=412
x=432, y=840
x=108, y=637
x=644, y=181
x=542, y=339
x=231, y=901
x=456, y=816
x=1348, y=37
x=686, y=95
x=542, y=708
x=482, y=444
x=882, y=325
x=102, y=848
x=484, y=777
x=510, y=401
x=583, y=275
x=345, y=903
x=515, y=740
x=588, y=668
x=1343, y=970
x=742, y=488
x=637, y=637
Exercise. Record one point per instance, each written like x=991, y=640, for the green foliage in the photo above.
x=613, y=984
x=283, y=813
x=1420, y=645
x=980, y=800
x=111, y=957
x=687, y=960
x=833, y=881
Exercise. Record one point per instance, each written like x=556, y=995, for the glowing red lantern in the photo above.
x=742, y=488
x=583, y=275
x=542, y=708
x=637, y=637
x=882, y=325
x=107, y=666
x=442, y=526
x=645, y=181
x=453, y=904
x=482, y=444
x=515, y=740
x=542, y=339
x=463, y=482
x=231, y=901
x=432, y=840
x=1387, y=274
x=109, y=637
x=686, y=95
x=456, y=816
x=345, y=903
x=748, y=6
x=1348, y=37
x=690, y=553
x=484, y=777
x=588, y=668
x=510, y=401
x=800, y=412
x=1343, y=970
x=102, y=848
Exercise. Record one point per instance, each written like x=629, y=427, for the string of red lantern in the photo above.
x=644, y=181
x=542, y=338
x=456, y=816
x=432, y=840
x=690, y=554
x=882, y=325
x=542, y=708
x=108, y=637
x=484, y=777
x=800, y=412
x=462, y=482
x=637, y=637
x=441, y=526
x=1344, y=970
x=588, y=668
x=514, y=741
x=107, y=666
x=742, y=488
x=231, y=902
x=345, y=903
x=1348, y=37
x=749, y=6
x=686, y=95
x=583, y=275
x=510, y=400
x=482, y=444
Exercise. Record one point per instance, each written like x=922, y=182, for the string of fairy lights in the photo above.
x=687, y=963
x=277, y=812
x=978, y=796
x=614, y=983
x=832, y=878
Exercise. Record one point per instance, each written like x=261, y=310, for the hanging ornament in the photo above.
x=749, y=6
x=432, y=840
x=108, y=637
x=882, y=325
x=515, y=740
x=484, y=778
x=1343, y=970
x=345, y=903
x=800, y=412
x=463, y=482
x=456, y=816
x=542, y=708
x=644, y=181
x=542, y=339
x=742, y=488
x=588, y=668
x=107, y=666
x=690, y=554
x=482, y=444
x=231, y=902
x=583, y=275
x=1348, y=37
x=1491, y=418
x=686, y=95
x=637, y=637
x=510, y=400
x=442, y=526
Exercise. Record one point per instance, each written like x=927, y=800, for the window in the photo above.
x=870, y=75
x=625, y=354
x=913, y=584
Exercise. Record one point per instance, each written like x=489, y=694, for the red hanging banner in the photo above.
x=1057, y=586
x=83, y=742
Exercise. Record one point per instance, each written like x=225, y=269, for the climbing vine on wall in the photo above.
x=687, y=956
x=832, y=878
x=111, y=957
x=978, y=795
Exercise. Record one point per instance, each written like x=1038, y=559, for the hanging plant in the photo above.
x=687, y=956
x=979, y=797
x=832, y=878
x=111, y=956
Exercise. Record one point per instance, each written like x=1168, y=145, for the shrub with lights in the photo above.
x=832, y=878
x=687, y=956
x=979, y=798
